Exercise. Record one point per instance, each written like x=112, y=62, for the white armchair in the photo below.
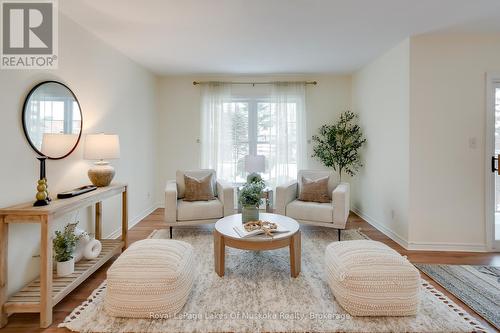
x=333, y=214
x=183, y=213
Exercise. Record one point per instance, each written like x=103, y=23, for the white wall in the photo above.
x=116, y=96
x=380, y=93
x=422, y=106
x=179, y=107
x=447, y=110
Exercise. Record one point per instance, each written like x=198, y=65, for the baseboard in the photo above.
x=382, y=228
x=420, y=246
x=455, y=247
x=134, y=221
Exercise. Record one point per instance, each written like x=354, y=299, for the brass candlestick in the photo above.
x=42, y=195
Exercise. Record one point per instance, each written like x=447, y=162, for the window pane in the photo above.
x=268, y=121
x=242, y=132
x=235, y=145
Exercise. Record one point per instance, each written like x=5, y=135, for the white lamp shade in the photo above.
x=255, y=163
x=58, y=145
x=102, y=147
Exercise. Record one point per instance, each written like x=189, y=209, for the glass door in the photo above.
x=496, y=165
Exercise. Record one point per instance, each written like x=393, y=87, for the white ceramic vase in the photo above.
x=66, y=268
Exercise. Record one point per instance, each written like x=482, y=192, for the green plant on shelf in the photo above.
x=65, y=242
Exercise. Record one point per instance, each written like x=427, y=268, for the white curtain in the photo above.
x=288, y=144
x=214, y=138
x=269, y=122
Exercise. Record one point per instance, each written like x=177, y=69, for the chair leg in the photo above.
x=339, y=234
x=170, y=232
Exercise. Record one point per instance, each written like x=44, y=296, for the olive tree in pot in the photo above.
x=251, y=198
x=64, y=244
x=337, y=146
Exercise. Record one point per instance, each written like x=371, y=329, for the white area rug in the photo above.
x=257, y=294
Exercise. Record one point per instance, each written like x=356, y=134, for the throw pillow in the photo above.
x=199, y=189
x=314, y=190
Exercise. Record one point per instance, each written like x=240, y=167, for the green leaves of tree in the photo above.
x=337, y=145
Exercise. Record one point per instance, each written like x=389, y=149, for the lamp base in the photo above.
x=101, y=174
x=40, y=203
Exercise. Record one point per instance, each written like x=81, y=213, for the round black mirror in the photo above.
x=52, y=120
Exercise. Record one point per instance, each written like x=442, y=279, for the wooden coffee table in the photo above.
x=224, y=235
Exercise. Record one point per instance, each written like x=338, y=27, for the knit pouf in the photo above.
x=369, y=278
x=151, y=279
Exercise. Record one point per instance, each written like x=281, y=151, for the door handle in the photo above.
x=493, y=166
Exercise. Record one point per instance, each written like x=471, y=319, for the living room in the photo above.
x=252, y=109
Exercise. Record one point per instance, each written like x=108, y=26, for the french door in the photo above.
x=493, y=153
x=250, y=128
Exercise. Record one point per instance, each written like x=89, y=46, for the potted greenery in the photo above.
x=250, y=199
x=255, y=178
x=64, y=245
x=338, y=145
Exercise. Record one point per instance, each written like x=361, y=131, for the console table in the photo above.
x=40, y=295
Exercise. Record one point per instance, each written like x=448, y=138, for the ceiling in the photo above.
x=269, y=36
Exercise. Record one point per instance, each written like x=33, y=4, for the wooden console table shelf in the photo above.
x=43, y=293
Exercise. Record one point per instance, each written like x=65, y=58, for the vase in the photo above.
x=65, y=268
x=249, y=213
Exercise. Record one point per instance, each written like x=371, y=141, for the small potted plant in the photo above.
x=250, y=198
x=64, y=246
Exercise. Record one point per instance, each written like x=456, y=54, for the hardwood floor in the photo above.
x=27, y=323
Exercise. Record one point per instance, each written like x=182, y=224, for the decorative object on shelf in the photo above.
x=76, y=191
x=250, y=198
x=64, y=246
x=254, y=164
x=48, y=135
x=101, y=147
x=337, y=145
x=42, y=195
x=87, y=246
x=92, y=249
x=83, y=239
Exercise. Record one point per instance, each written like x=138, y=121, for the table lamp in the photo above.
x=254, y=164
x=101, y=147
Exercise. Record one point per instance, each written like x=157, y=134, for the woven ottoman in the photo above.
x=151, y=279
x=369, y=278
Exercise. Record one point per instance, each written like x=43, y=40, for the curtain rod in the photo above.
x=254, y=83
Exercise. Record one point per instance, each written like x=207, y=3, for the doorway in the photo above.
x=493, y=154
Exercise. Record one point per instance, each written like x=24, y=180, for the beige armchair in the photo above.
x=185, y=213
x=332, y=215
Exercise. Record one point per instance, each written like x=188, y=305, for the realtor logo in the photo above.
x=29, y=34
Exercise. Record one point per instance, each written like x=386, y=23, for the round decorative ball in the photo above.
x=41, y=195
x=41, y=188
